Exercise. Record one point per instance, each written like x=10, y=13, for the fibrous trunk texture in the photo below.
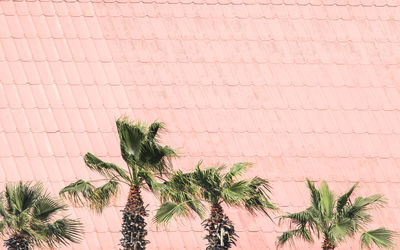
x=327, y=244
x=221, y=232
x=133, y=226
x=17, y=243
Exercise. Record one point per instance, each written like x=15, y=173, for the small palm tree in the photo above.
x=146, y=160
x=184, y=192
x=337, y=219
x=27, y=219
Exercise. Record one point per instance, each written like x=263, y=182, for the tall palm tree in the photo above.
x=146, y=160
x=184, y=192
x=337, y=219
x=27, y=219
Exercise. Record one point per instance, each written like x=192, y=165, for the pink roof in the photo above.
x=305, y=88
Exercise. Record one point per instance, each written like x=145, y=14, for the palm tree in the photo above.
x=184, y=192
x=337, y=219
x=146, y=160
x=27, y=219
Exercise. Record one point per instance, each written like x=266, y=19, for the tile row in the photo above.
x=215, y=8
x=33, y=101
x=225, y=28
x=245, y=144
x=385, y=171
x=76, y=54
x=237, y=144
x=182, y=73
x=329, y=122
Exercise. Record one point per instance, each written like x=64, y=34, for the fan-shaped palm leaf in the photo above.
x=27, y=218
x=337, y=219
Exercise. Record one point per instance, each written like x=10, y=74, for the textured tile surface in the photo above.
x=303, y=88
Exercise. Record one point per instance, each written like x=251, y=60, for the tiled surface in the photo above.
x=301, y=88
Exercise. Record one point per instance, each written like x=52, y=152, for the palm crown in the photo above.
x=146, y=160
x=28, y=218
x=184, y=192
x=337, y=219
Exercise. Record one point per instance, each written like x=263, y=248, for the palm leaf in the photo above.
x=84, y=193
x=169, y=209
x=289, y=236
x=381, y=237
x=79, y=192
x=22, y=196
x=258, y=198
x=104, y=193
x=327, y=201
x=153, y=130
x=344, y=199
x=46, y=207
x=147, y=177
x=63, y=231
x=315, y=195
x=236, y=193
x=131, y=137
x=302, y=218
x=28, y=210
x=108, y=170
x=236, y=170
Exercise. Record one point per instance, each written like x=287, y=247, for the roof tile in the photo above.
x=16, y=146
x=9, y=170
x=18, y=73
x=6, y=76
x=38, y=169
x=71, y=146
x=65, y=168
x=20, y=121
x=74, y=115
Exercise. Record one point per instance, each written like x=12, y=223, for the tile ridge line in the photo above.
x=197, y=2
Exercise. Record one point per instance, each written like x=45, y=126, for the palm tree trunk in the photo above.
x=133, y=226
x=327, y=244
x=221, y=232
x=17, y=242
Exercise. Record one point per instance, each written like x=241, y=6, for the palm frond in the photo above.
x=131, y=137
x=22, y=196
x=146, y=176
x=342, y=229
x=154, y=128
x=289, y=236
x=300, y=219
x=108, y=170
x=236, y=193
x=84, y=193
x=258, y=198
x=209, y=180
x=315, y=195
x=156, y=157
x=344, y=199
x=327, y=201
x=28, y=210
x=179, y=185
x=79, y=192
x=236, y=170
x=104, y=193
x=381, y=237
x=169, y=209
x=358, y=209
x=46, y=207
x=63, y=231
